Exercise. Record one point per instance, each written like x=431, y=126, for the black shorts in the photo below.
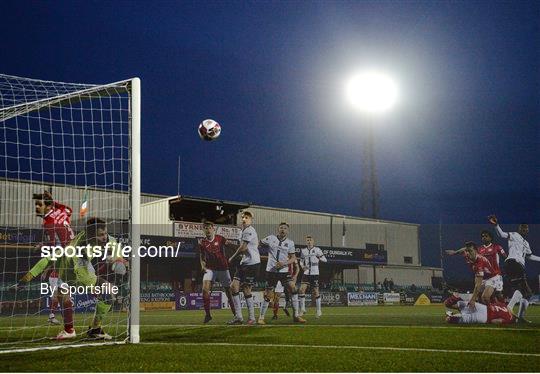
x=516, y=276
x=247, y=274
x=272, y=278
x=312, y=280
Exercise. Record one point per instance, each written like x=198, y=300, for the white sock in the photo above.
x=302, y=299
x=523, y=307
x=318, y=304
x=516, y=298
x=51, y=315
x=251, y=307
x=264, y=308
x=295, y=304
x=237, y=306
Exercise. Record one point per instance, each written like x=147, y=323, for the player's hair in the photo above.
x=39, y=196
x=284, y=223
x=309, y=237
x=94, y=224
x=247, y=214
x=488, y=233
x=208, y=223
x=471, y=245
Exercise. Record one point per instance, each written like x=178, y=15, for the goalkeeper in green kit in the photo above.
x=79, y=271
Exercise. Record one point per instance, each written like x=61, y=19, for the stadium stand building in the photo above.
x=361, y=252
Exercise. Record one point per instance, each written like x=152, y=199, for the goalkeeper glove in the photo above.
x=27, y=277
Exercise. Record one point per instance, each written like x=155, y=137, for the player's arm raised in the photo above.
x=452, y=252
x=495, y=222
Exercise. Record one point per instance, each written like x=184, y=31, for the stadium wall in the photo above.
x=399, y=239
x=17, y=209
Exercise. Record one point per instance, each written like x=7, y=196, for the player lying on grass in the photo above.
x=78, y=271
x=514, y=266
x=281, y=254
x=57, y=229
x=214, y=265
x=493, y=312
x=247, y=271
x=310, y=258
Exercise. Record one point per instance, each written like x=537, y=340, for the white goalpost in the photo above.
x=69, y=175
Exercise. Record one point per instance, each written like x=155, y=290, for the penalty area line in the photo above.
x=354, y=347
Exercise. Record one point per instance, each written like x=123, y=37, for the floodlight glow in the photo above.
x=372, y=92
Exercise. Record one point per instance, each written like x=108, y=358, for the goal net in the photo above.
x=69, y=178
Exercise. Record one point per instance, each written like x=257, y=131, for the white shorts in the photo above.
x=479, y=315
x=279, y=287
x=495, y=282
x=223, y=276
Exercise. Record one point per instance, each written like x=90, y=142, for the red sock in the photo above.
x=275, y=307
x=206, y=299
x=68, y=316
x=54, y=304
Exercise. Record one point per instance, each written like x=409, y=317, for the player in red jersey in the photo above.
x=484, y=273
x=491, y=252
x=494, y=312
x=57, y=230
x=215, y=265
x=487, y=278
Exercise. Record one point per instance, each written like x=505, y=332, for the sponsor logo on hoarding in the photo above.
x=391, y=298
x=195, y=230
x=362, y=298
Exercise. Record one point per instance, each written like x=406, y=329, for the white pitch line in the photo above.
x=351, y=347
x=462, y=328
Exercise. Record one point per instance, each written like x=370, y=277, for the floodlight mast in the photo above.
x=371, y=93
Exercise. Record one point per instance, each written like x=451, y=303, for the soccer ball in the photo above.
x=209, y=130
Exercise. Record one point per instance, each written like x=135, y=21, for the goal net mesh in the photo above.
x=70, y=144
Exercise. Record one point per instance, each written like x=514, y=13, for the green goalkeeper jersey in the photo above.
x=73, y=270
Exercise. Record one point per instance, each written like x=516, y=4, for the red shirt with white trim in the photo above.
x=499, y=311
x=482, y=267
x=57, y=223
x=491, y=252
x=213, y=253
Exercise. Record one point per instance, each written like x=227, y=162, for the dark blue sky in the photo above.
x=462, y=142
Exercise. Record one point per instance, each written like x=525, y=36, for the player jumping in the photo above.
x=247, y=271
x=57, y=229
x=281, y=253
x=215, y=266
x=514, y=266
x=310, y=257
x=80, y=272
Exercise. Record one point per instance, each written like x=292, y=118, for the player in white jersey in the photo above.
x=310, y=258
x=247, y=271
x=514, y=266
x=281, y=254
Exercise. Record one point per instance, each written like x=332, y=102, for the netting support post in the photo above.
x=135, y=282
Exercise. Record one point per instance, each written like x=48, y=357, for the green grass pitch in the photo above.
x=383, y=338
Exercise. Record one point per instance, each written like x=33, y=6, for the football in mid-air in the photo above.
x=209, y=130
